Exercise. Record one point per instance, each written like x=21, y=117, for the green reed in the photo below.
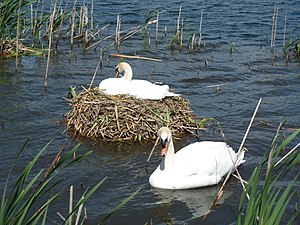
x=268, y=196
x=23, y=204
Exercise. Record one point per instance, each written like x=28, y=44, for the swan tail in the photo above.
x=240, y=160
x=172, y=94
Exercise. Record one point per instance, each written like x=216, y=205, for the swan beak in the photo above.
x=164, y=145
x=117, y=72
x=164, y=151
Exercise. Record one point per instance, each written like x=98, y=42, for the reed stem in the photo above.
x=18, y=33
x=50, y=42
x=284, y=30
x=71, y=204
x=156, y=32
x=200, y=30
x=118, y=27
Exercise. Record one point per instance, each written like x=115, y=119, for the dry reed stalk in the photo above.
x=156, y=31
x=78, y=214
x=284, y=29
x=133, y=57
x=50, y=42
x=220, y=192
x=92, y=16
x=191, y=46
x=118, y=28
x=31, y=16
x=18, y=33
x=59, y=35
x=274, y=27
x=97, y=68
x=71, y=203
x=131, y=32
x=200, y=31
x=270, y=157
x=178, y=23
x=80, y=28
x=73, y=25
x=286, y=155
x=181, y=33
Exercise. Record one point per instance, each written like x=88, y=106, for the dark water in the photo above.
x=28, y=111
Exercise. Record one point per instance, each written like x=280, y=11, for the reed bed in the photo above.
x=8, y=48
x=94, y=114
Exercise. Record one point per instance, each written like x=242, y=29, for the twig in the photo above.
x=290, y=152
x=219, y=194
x=152, y=150
x=133, y=57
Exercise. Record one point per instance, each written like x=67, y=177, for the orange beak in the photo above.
x=164, y=151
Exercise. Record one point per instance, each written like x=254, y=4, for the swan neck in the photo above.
x=168, y=161
x=127, y=72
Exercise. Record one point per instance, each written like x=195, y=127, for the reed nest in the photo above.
x=94, y=114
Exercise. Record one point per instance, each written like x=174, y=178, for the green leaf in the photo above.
x=119, y=206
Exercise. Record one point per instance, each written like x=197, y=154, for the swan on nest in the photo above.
x=142, y=89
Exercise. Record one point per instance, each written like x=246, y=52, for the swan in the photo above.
x=139, y=88
x=196, y=165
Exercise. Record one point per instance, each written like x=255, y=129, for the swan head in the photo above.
x=126, y=68
x=165, y=136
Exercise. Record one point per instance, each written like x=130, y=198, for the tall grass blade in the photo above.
x=85, y=197
x=124, y=202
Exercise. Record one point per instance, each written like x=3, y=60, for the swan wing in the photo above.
x=114, y=86
x=205, y=159
x=147, y=90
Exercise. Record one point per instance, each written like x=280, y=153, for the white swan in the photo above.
x=196, y=165
x=139, y=88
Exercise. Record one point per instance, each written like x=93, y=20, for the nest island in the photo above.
x=94, y=114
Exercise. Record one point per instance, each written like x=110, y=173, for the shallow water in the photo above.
x=28, y=111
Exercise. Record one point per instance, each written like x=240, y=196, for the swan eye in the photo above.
x=164, y=142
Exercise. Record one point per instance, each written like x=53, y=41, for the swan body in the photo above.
x=196, y=165
x=139, y=88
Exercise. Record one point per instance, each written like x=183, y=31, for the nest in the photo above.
x=97, y=115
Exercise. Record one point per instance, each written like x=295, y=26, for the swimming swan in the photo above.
x=139, y=88
x=196, y=165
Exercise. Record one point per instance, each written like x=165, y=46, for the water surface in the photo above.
x=29, y=112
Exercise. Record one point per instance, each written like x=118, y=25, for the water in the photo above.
x=27, y=111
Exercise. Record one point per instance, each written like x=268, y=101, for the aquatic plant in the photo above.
x=268, y=196
x=24, y=204
x=9, y=16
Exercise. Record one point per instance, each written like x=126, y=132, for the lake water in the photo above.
x=27, y=111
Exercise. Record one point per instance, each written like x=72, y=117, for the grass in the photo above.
x=269, y=197
x=24, y=204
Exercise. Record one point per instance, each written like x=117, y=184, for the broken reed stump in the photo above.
x=94, y=114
